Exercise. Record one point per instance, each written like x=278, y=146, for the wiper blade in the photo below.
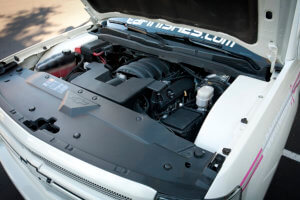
x=204, y=44
x=158, y=36
x=216, y=47
x=211, y=46
x=138, y=29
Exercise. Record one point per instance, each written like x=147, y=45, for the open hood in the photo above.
x=239, y=19
x=254, y=24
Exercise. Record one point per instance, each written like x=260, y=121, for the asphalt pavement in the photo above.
x=24, y=23
x=286, y=181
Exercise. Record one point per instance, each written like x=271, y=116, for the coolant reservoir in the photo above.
x=204, y=95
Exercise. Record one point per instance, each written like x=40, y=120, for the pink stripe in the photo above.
x=296, y=86
x=296, y=83
x=244, y=179
x=253, y=171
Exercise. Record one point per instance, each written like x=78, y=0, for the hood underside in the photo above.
x=239, y=18
x=262, y=26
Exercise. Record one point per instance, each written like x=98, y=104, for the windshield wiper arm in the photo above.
x=204, y=44
x=159, y=36
x=210, y=46
x=138, y=29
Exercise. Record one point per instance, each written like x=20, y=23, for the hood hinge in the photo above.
x=272, y=55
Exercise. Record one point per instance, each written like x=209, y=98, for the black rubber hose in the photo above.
x=78, y=66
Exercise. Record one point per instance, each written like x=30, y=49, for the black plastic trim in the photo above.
x=111, y=136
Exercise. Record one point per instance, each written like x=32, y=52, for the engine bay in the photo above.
x=117, y=99
x=140, y=99
x=176, y=95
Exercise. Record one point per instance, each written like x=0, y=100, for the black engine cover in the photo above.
x=140, y=74
x=95, y=80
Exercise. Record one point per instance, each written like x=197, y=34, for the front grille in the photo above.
x=88, y=183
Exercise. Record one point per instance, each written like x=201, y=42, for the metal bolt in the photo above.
x=94, y=98
x=47, y=76
x=261, y=96
x=31, y=109
x=80, y=91
x=187, y=165
x=198, y=153
x=170, y=94
x=138, y=118
x=226, y=151
x=167, y=166
x=244, y=120
x=69, y=147
x=76, y=135
x=44, y=47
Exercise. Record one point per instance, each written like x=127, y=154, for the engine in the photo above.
x=176, y=95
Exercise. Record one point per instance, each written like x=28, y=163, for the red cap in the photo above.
x=78, y=50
